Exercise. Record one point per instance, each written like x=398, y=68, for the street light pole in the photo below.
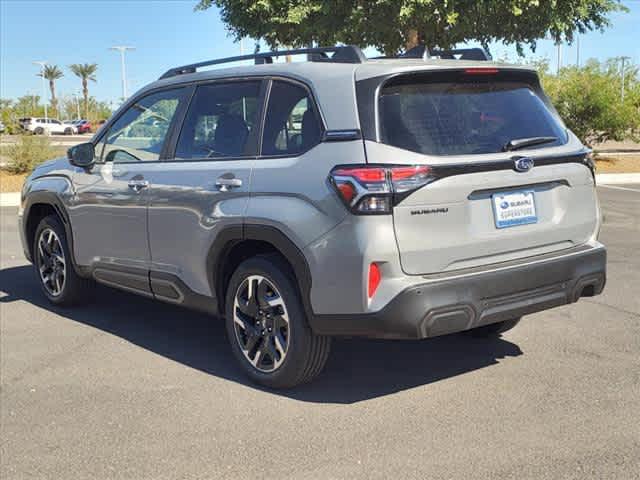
x=623, y=60
x=44, y=87
x=75, y=95
x=122, y=49
x=559, y=57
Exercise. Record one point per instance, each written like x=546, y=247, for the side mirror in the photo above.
x=82, y=155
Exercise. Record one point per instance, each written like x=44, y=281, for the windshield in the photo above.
x=464, y=117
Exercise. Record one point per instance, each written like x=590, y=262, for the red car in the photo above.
x=83, y=126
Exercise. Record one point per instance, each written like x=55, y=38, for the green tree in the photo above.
x=29, y=106
x=52, y=73
x=86, y=72
x=391, y=25
x=588, y=100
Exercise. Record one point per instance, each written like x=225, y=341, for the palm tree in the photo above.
x=52, y=73
x=86, y=71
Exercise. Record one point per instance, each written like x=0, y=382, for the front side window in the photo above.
x=220, y=121
x=138, y=135
x=461, y=118
x=291, y=125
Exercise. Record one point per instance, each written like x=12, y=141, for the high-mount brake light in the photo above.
x=481, y=71
x=374, y=190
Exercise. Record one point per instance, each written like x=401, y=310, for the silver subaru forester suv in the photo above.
x=403, y=197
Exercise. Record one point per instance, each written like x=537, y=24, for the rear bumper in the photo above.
x=449, y=305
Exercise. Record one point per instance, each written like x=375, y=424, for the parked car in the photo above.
x=48, y=126
x=2, y=127
x=72, y=123
x=397, y=198
x=83, y=126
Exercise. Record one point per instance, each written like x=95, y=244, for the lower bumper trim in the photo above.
x=453, y=305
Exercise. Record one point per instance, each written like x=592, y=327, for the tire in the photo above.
x=38, y=131
x=494, y=329
x=270, y=336
x=53, y=266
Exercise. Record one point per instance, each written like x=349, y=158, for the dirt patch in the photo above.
x=618, y=163
x=613, y=145
x=10, y=182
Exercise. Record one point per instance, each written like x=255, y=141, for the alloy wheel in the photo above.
x=51, y=262
x=261, y=323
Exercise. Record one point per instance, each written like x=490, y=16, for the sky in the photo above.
x=168, y=33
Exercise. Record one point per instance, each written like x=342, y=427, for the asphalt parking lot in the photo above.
x=128, y=388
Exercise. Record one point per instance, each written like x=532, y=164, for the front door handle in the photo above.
x=224, y=184
x=138, y=185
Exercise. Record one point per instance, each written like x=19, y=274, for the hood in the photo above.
x=61, y=163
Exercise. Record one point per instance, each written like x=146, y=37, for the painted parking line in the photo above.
x=620, y=188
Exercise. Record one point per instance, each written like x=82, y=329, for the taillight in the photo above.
x=374, y=279
x=370, y=190
x=590, y=162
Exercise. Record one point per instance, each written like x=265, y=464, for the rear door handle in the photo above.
x=138, y=185
x=224, y=184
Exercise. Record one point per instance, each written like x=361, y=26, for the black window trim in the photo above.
x=368, y=95
x=167, y=153
x=188, y=92
x=254, y=136
x=316, y=110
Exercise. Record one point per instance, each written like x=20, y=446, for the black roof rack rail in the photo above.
x=423, y=52
x=341, y=54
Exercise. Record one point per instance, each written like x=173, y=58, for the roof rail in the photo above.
x=421, y=51
x=342, y=54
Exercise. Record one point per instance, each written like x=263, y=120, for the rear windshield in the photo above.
x=464, y=118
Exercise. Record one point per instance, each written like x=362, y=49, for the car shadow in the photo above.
x=358, y=369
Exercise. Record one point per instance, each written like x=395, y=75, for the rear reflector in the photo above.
x=374, y=279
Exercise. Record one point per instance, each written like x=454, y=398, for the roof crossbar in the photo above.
x=341, y=54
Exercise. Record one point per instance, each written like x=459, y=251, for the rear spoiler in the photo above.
x=421, y=51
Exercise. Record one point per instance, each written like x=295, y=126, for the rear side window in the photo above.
x=220, y=121
x=466, y=117
x=292, y=125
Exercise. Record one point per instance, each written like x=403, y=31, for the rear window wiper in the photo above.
x=518, y=143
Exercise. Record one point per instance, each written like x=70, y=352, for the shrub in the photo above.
x=28, y=152
x=588, y=100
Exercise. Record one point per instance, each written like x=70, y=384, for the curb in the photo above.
x=617, y=178
x=614, y=151
x=11, y=199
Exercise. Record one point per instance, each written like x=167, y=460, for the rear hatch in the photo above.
x=506, y=180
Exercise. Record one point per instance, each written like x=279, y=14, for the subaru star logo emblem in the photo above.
x=504, y=204
x=523, y=164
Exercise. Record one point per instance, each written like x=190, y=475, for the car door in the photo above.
x=55, y=126
x=203, y=188
x=109, y=209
